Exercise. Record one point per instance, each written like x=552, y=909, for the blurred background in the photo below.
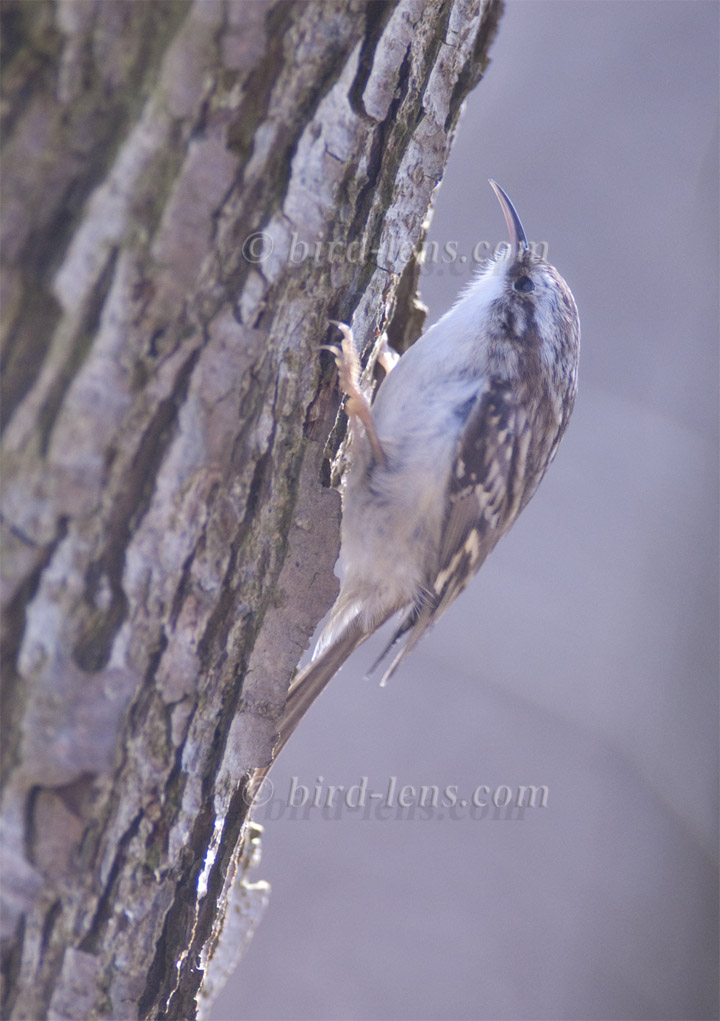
x=585, y=655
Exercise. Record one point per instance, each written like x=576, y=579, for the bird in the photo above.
x=461, y=431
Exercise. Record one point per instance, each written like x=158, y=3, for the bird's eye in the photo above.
x=524, y=284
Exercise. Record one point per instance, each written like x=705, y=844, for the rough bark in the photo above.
x=169, y=530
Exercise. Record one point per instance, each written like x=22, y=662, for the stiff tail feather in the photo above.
x=313, y=680
x=306, y=687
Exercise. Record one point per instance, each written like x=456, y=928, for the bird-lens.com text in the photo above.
x=393, y=799
x=260, y=246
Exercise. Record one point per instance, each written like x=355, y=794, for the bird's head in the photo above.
x=527, y=304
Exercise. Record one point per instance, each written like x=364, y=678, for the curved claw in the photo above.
x=357, y=405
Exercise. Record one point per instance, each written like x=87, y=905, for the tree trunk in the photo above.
x=191, y=191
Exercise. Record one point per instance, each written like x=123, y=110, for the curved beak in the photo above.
x=515, y=228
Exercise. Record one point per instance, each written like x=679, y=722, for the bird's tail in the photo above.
x=306, y=687
x=311, y=681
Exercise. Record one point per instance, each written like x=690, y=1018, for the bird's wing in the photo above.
x=485, y=494
x=485, y=490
